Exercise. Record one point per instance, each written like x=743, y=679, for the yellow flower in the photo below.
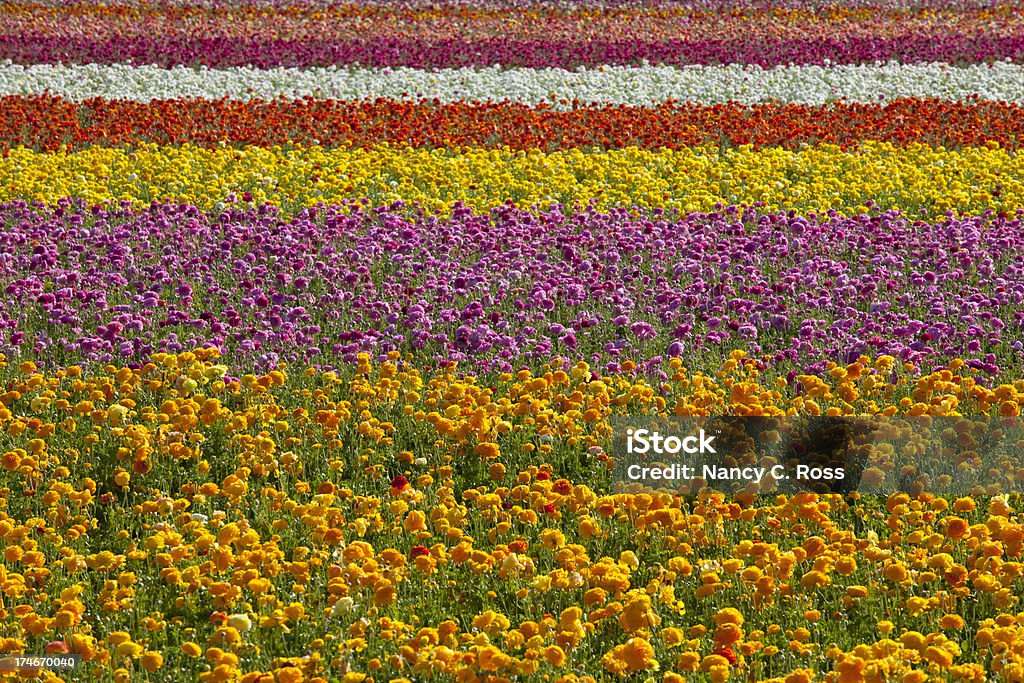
x=488, y=450
x=896, y=573
x=10, y=461
x=415, y=521
x=635, y=655
x=638, y=614
x=118, y=637
x=151, y=661
x=688, y=661
x=939, y=656
x=490, y=658
x=693, y=178
x=384, y=593
x=728, y=615
x=291, y=674
x=951, y=622
x=672, y=636
x=554, y=655
x=727, y=634
x=713, y=662
x=128, y=649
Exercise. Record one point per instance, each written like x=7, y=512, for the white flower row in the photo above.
x=640, y=86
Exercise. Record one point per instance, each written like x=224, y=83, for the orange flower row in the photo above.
x=51, y=123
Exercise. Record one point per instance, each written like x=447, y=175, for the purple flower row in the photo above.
x=225, y=52
x=508, y=288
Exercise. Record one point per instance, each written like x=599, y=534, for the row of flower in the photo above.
x=49, y=123
x=534, y=54
x=466, y=21
x=132, y=534
x=455, y=35
x=634, y=86
x=922, y=181
x=529, y=5
x=497, y=291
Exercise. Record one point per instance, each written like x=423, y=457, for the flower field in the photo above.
x=319, y=317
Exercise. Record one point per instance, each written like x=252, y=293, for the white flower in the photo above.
x=241, y=622
x=639, y=86
x=512, y=563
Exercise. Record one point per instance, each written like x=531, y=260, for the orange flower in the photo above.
x=956, y=528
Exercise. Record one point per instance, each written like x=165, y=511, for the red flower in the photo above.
x=520, y=545
x=727, y=653
x=543, y=476
x=418, y=550
x=549, y=508
x=399, y=482
x=562, y=487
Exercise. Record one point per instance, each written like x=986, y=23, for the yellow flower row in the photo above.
x=179, y=518
x=693, y=179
